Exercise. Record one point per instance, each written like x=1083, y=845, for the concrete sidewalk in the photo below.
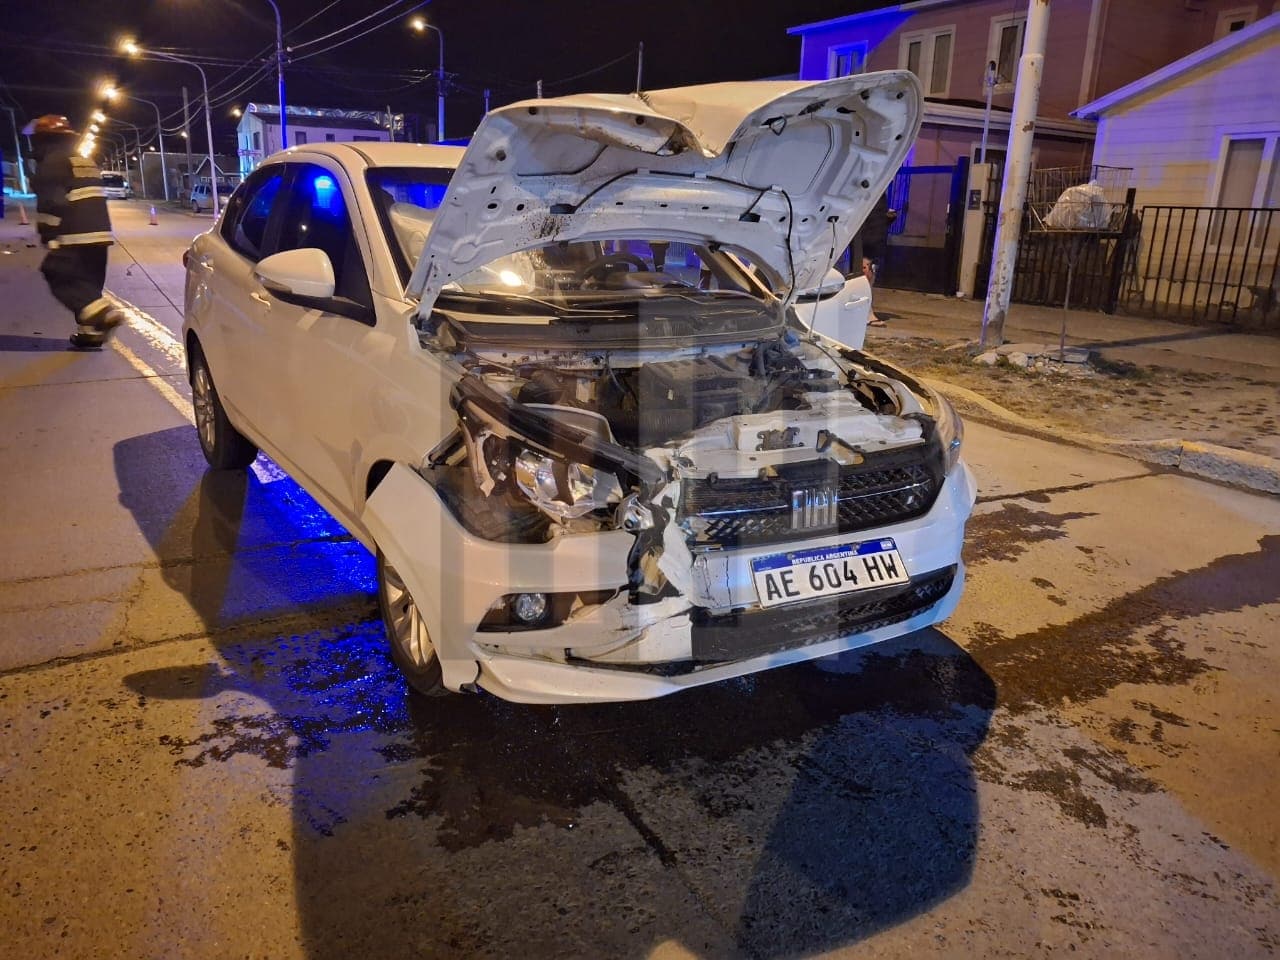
x=1140, y=340
x=1143, y=341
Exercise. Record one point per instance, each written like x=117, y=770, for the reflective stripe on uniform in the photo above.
x=74, y=239
x=80, y=167
x=48, y=219
x=86, y=193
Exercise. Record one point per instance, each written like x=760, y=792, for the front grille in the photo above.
x=738, y=636
x=884, y=489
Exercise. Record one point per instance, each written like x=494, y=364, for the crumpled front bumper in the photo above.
x=455, y=578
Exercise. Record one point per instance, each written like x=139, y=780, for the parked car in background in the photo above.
x=202, y=197
x=589, y=389
x=116, y=186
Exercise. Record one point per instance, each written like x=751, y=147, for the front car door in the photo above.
x=231, y=325
x=326, y=360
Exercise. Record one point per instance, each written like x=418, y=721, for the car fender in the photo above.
x=397, y=517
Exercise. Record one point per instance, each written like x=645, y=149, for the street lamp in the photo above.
x=131, y=48
x=112, y=92
x=420, y=25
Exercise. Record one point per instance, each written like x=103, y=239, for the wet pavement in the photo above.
x=207, y=753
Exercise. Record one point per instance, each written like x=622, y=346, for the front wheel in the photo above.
x=225, y=447
x=411, y=646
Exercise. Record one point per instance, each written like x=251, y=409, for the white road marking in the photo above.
x=151, y=330
x=176, y=400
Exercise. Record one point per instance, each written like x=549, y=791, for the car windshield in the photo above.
x=113, y=180
x=648, y=288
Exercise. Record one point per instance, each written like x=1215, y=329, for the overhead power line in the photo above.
x=350, y=26
x=322, y=10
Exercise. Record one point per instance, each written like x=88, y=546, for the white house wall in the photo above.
x=1173, y=137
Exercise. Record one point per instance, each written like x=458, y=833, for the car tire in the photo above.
x=412, y=649
x=225, y=447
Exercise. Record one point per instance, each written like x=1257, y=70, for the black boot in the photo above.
x=88, y=338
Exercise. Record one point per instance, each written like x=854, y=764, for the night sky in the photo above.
x=52, y=52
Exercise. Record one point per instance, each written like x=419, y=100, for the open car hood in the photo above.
x=784, y=172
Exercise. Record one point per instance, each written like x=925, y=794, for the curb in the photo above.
x=1239, y=468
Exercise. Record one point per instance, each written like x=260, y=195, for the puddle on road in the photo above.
x=1007, y=533
x=1130, y=639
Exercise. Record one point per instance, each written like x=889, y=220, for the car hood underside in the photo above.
x=783, y=172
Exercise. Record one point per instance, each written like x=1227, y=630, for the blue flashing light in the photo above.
x=324, y=183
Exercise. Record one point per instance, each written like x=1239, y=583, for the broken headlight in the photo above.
x=562, y=489
x=950, y=430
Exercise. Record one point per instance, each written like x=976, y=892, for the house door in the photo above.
x=923, y=246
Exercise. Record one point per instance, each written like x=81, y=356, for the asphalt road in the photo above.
x=206, y=752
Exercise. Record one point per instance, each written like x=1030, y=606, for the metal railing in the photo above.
x=1215, y=264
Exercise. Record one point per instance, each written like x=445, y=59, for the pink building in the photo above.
x=1094, y=46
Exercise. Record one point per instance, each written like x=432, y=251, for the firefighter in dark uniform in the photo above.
x=71, y=215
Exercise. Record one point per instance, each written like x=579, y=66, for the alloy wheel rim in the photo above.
x=202, y=401
x=408, y=629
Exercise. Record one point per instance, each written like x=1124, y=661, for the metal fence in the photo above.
x=1215, y=264
x=1080, y=268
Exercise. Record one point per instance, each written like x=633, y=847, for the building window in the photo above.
x=1247, y=171
x=330, y=138
x=927, y=54
x=1005, y=47
x=1229, y=21
x=257, y=141
x=1248, y=177
x=299, y=137
x=846, y=60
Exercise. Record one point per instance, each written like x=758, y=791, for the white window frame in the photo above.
x=833, y=56
x=926, y=39
x=1270, y=156
x=993, y=45
x=1249, y=14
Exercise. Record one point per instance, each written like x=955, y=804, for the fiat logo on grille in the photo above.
x=813, y=507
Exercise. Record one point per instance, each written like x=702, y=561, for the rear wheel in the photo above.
x=411, y=647
x=225, y=447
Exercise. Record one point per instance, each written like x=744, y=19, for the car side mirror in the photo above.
x=841, y=315
x=305, y=278
x=832, y=283
x=291, y=274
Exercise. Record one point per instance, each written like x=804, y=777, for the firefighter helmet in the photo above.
x=50, y=123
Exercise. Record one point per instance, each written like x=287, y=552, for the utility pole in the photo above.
x=1017, y=171
x=186, y=135
x=639, y=66
x=17, y=150
x=284, y=139
x=486, y=99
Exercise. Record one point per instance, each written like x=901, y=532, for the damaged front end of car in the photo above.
x=620, y=519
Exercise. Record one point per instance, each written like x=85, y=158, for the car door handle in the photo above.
x=261, y=298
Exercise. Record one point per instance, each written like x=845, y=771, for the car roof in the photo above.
x=375, y=153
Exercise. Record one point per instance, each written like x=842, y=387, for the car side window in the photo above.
x=249, y=211
x=317, y=216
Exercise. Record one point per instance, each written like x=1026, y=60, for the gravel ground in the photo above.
x=1113, y=399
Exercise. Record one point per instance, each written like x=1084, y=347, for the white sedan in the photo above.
x=590, y=389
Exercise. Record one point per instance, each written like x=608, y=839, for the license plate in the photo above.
x=827, y=571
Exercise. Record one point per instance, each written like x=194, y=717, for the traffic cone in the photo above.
x=153, y=221
x=22, y=216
